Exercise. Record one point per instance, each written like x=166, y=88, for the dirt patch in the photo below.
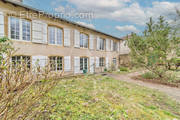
x=156, y=81
x=173, y=92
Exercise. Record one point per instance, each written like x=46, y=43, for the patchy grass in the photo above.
x=126, y=70
x=174, y=76
x=149, y=75
x=97, y=97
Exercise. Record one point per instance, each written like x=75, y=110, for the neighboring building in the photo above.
x=124, y=58
x=124, y=49
x=65, y=45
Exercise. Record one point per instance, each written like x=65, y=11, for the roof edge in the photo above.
x=62, y=19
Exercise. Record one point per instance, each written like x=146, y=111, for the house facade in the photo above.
x=65, y=45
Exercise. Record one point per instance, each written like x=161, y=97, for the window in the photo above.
x=83, y=63
x=20, y=25
x=101, y=61
x=56, y=63
x=51, y=35
x=14, y=28
x=115, y=46
x=84, y=38
x=102, y=44
x=114, y=61
x=18, y=60
x=55, y=35
x=59, y=36
x=26, y=30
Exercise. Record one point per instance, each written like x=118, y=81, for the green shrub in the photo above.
x=176, y=62
x=125, y=69
x=113, y=67
x=5, y=47
x=149, y=75
x=172, y=78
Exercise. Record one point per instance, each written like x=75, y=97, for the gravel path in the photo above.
x=170, y=91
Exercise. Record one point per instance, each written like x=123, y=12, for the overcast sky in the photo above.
x=115, y=17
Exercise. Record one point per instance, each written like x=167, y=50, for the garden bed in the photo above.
x=157, y=81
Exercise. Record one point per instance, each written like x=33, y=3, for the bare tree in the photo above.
x=20, y=87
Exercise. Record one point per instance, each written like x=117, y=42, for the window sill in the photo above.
x=39, y=43
x=67, y=46
x=19, y=40
x=56, y=45
x=101, y=50
x=83, y=48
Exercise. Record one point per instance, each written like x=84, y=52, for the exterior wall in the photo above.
x=34, y=49
x=124, y=49
x=124, y=60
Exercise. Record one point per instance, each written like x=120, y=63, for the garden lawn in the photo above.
x=101, y=98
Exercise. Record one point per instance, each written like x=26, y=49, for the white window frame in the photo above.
x=102, y=46
x=20, y=29
x=114, y=60
x=55, y=35
x=67, y=63
x=26, y=21
x=56, y=65
x=101, y=62
x=91, y=42
x=108, y=42
x=84, y=63
x=115, y=46
x=83, y=39
x=21, y=60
